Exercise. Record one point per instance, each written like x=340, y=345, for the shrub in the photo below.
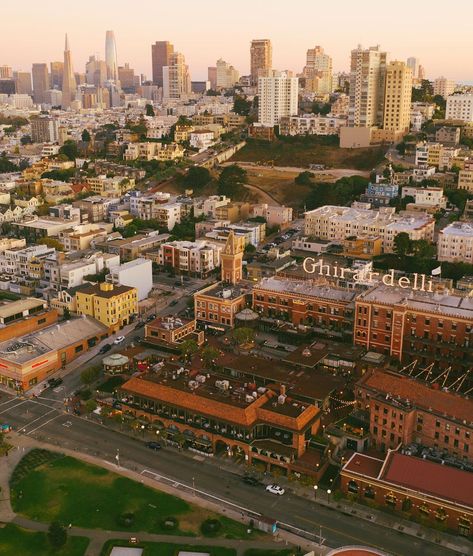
x=210, y=527
x=126, y=519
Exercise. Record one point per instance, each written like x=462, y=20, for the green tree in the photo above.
x=57, y=535
x=90, y=406
x=231, y=181
x=188, y=348
x=304, y=178
x=90, y=375
x=209, y=355
x=69, y=150
x=422, y=249
x=66, y=313
x=86, y=136
x=6, y=165
x=197, y=177
x=150, y=110
x=243, y=335
x=26, y=140
x=250, y=248
x=241, y=105
x=402, y=244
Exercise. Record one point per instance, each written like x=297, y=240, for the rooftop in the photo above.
x=463, y=229
x=307, y=288
x=168, y=323
x=223, y=291
x=20, y=306
x=418, y=394
x=440, y=481
x=24, y=349
x=95, y=289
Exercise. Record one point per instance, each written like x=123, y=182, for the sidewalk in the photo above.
x=98, y=537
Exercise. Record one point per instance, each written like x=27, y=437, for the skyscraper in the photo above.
x=278, y=96
x=96, y=72
x=161, y=52
x=413, y=64
x=227, y=75
x=40, y=82
x=23, y=82
x=176, y=77
x=318, y=71
x=111, y=56
x=6, y=72
x=57, y=72
x=261, y=53
x=212, y=76
x=68, y=82
x=126, y=76
x=397, y=101
x=367, y=81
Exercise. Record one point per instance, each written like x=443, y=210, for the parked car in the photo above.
x=119, y=339
x=105, y=348
x=252, y=481
x=153, y=445
x=173, y=302
x=275, y=489
x=150, y=318
x=54, y=382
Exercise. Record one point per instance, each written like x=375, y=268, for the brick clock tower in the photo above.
x=232, y=259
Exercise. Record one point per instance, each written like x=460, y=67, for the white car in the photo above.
x=119, y=339
x=275, y=489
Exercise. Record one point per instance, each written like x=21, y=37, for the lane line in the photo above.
x=44, y=424
x=13, y=406
x=9, y=401
x=37, y=419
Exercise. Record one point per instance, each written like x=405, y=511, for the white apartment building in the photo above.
x=278, y=97
x=190, y=257
x=460, y=107
x=16, y=260
x=275, y=215
x=201, y=140
x=167, y=214
x=336, y=223
x=318, y=71
x=455, y=243
x=430, y=197
x=367, y=82
x=465, y=178
x=208, y=205
x=443, y=86
x=176, y=78
x=153, y=151
x=310, y=124
x=135, y=274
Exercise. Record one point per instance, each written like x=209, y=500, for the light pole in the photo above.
x=117, y=457
x=316, y=488
x=329, y=492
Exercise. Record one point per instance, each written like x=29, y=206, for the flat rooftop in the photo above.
x=29, y=347
x=442, y=303
x=20, y=306
x=169, y=323
x=223, y=291
x=306, y=288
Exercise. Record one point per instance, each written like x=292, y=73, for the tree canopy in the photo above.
x=231, y=181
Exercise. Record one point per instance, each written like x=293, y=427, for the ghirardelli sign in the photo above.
x=418, y=282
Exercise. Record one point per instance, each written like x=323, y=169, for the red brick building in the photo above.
x=404, y=411
x=215, y=414
x=173, y=331
x=439, y=494
x=304, y=302
x=417, y=326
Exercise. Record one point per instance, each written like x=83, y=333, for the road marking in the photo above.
x=34, y=430
x=338, y=532
x=58, y=389
x=67, y=424
x=13, y=406
x=37, y=419
x=8, y=401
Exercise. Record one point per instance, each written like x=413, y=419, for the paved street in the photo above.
x=44, y=420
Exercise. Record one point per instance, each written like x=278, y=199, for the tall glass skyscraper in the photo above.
x=111, y=56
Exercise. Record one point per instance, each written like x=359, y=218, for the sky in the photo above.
x=205, y=30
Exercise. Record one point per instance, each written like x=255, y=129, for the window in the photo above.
x=78, y=349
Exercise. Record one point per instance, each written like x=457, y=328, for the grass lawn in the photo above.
x=305, y=151
x=70, y=491
x=168, y=549
x=15, y=541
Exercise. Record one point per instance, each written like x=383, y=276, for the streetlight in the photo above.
x=315, y=491
x=329, y=492
x=117, y=457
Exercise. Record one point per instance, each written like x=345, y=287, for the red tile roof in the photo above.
x=364, y=465
x=420, y=394
x=441, y=481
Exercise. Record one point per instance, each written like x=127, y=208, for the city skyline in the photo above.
x=338, y=33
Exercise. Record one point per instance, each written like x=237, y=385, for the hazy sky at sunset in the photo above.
x=438, y=33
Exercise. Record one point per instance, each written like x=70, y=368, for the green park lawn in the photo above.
x=15, y=541
x=46, y=487
x=168, y=549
